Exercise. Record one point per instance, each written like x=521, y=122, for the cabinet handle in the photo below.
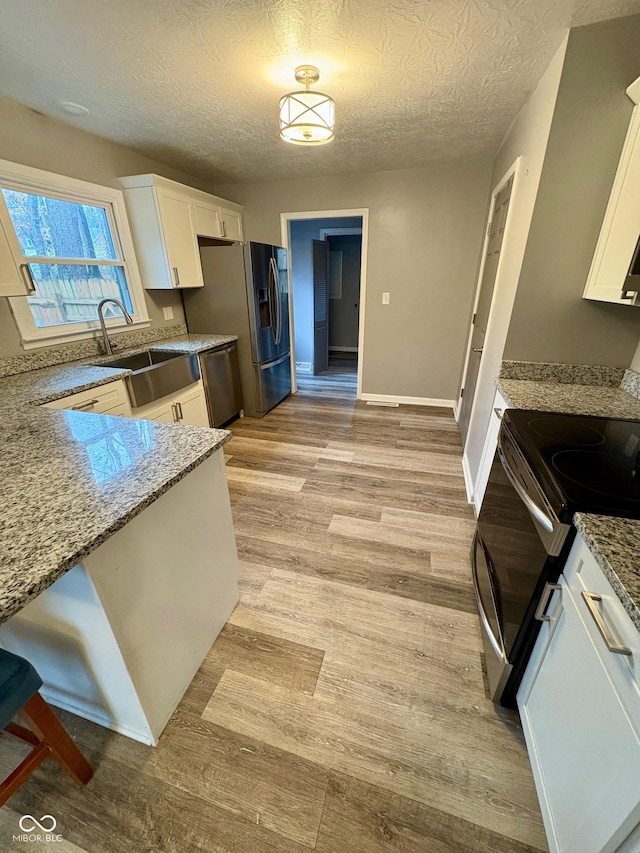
x=547, y=592
x=174, y=412
x=25, y=272
x=628, y=294
x=477, y=349
x=179, y=411
x=590, y=599
x=88, y=405
x=176, y=276
x=224, y=228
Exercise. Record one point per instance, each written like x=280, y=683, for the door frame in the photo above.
x=285, y=220
x=490, y=337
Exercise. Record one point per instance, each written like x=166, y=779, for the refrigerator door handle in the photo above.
x=276, y=283
x=273, y=305
x=268, y=365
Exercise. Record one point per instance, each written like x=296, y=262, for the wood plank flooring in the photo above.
x=343, y=707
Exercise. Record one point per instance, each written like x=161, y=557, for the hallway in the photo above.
x=343, y=708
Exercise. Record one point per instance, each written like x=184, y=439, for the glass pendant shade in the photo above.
x=307, y=118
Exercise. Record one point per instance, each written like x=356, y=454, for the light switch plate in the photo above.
x=168, y=313
x=386, y=298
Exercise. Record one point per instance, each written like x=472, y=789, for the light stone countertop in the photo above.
x=71, y=479
x=571, y=399
x=588, y=390
x=615, y=543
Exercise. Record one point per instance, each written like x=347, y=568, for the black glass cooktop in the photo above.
x=582, y=462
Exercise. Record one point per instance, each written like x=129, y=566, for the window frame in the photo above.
x=27, y=179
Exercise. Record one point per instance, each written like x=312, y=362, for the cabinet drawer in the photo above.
x=584, y=575
x=100, y=399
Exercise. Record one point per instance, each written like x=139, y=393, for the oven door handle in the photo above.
x=539, y=515
x=495, y=642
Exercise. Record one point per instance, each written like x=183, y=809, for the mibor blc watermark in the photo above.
x=43, y=830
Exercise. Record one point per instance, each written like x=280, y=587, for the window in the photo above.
x=75, y=239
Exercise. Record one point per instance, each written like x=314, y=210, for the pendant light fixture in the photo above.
x=307, y=118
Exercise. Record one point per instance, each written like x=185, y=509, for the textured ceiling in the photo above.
x=196, y=83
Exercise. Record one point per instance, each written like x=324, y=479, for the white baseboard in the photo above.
x=468, y=480
x=409, y=401
x=304, y=366
x=95, y=715
x=343, y=349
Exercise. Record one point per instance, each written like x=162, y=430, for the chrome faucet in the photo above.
x=109, y=346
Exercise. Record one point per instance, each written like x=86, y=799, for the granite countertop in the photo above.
x=72, y=479
x=52, y=383
x=615, y=543
x=572, y=399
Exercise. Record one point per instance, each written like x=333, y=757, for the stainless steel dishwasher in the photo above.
x=221, y=375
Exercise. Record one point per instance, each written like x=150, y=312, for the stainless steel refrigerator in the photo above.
x=246, y=294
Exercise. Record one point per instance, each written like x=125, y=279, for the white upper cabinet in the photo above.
x=619, y=241
x=231, y=224
x=181, y=242
x=220, y=223
x=167, y=219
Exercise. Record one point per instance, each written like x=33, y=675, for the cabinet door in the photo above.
x=123, y=411
x=231, y=224
x=585, y=752
x=192, y=407
x=180, y=240
x=207, y=220
x=621, y=226
x=164, y=413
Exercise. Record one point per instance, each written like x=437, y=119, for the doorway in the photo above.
x=327, y=274
x=480, y=320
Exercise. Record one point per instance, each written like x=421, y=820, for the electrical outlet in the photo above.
x=386, y=298
x=168, y=313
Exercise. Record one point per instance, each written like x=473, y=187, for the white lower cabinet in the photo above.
x=187, y=406
x=192, y=407
x=580, y=708
x=109, y=399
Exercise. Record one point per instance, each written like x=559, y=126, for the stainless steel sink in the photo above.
x=155, y=373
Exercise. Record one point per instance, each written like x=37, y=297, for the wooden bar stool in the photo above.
x=19, y=685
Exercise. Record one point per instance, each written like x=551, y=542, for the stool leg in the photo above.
x=23, y=771
x=51, y=731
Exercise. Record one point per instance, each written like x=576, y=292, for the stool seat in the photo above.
x=18, y=682
x=19, y=686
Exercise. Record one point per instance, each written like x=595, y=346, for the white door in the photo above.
x=320, y=250
x=180, y=239
x=481, y=317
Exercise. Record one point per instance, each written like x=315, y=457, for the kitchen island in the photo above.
x=118, y=559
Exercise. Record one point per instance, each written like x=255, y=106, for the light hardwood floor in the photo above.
x=343, y=707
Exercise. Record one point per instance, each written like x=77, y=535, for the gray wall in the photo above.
x=550, y=320
x=302, y=233
x=343, y=313
x=425, y=233
x=34, y=140
x=525, y=144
